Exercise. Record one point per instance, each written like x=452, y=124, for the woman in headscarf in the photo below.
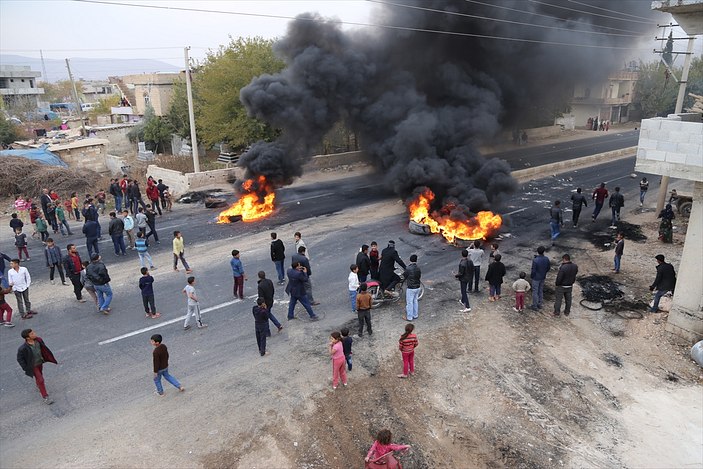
x=665, y=226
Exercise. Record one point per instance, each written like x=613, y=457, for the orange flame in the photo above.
x=483, y=225
x=256, y=202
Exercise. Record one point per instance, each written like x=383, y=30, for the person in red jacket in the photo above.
x=31, y=356
x=381, y=452
x=599, y=195
x=152, y=194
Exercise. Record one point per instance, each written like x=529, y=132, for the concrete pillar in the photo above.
x=686, y=316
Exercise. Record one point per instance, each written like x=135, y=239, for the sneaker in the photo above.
x=181, y=389
x=280, y=328
x=465, y=310
x=516, y=310
x=81, y=300
x=8, y=324
x=334, y=387
x=202, y=326
x=64, y=284
x=52, y=282
x=315, y=318
x=344, y=384
x=160, y=394
x=315, y=303
x=48, y=401
x=185, y=328
x=105, y=312
x=153, y=268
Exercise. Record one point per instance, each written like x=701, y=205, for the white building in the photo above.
x=18, y=86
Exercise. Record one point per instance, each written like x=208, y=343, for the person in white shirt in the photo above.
x=19, y=279
x=476, y=257
x=299, y=242
x=353, y=285
x=128, y=227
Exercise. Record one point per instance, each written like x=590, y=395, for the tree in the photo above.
x=104, y=106
x=221, y=117
x=178, y=111
x=9, y=132
x=656, y=91
x=61, y=91
x=153, y=130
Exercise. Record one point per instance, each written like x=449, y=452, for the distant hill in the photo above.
x=89, y=69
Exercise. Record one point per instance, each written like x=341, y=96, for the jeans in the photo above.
x=118, y=203
x=152, y=232
x=477, y=276
x=364, y=316
x=171, y=379
x=238, y=288
x=411, y=306
x=657, y=296
x=362, y=277
x=273, y=319
x=348, y=358
x=303, y=301
x=24, y=305
x=104, y=293
x=180, y=256
x=494, y=290
x=118, y=243
x=555, y=227
x=597, y=209
x=280, y=270
x=537, y=293
x=262, y=331
x=352, y=299
x=642, y=194
x=145, y=256
x=616, y=215
x=576, y=215
x=65, y=223
x=558, y=294
x=58, y=267
x=463, y=286
x=308, y=290
x=92, y=245
x=616, y=262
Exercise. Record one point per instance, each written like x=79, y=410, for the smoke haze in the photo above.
x=421, y=102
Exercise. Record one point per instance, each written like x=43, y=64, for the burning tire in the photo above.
x=419, y=228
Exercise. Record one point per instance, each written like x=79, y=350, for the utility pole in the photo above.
x=664, y=186
x=191, y=114
x=43, y=66
x=75, y=98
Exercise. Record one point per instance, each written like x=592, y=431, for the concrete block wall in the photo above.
x=671, y=147
x=180, y=183
x=119, y=142
x=91, y=157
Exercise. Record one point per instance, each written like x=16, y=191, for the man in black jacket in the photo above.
x=566, y=277
x=266, y=291
x=97, y=273
x=578, y=201
x=663, y=283
x=465, y=275
x=161, y=187
x=412, y=288
x=73, y=265
x=116, y=230
x=31, y=356
x=363, y=262
x=386, y=268
x=616, y=202
x=278, y=255
x=305, y=262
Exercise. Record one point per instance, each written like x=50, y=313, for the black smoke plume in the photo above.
x=421, y=102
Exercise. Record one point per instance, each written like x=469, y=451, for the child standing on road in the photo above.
x=407, y=344
x=338, y=361
x=21, y=244
x=146, y=285
x=347, y=347
x=363, y=309
x=42, y=228
x=193, y=308
x=179, y=252
x=494, y=277
x=161, y=365
x=142, y=250
x=353, y=285
x=87, y=284
x=521, y=286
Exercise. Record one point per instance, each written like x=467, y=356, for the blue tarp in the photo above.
x=40, y=154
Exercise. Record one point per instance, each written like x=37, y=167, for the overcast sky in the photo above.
x=64, y=28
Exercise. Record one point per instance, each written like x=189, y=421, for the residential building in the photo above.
x=608, y=100
x=148, y=89
x=94, y=91
x=18, y=87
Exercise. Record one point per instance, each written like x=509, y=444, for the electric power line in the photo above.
x=588, y=13
x=610, y=11
x=353, y=23
x=499, y=20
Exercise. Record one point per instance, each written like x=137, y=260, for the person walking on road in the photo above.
x=90, y=230
x=19, y=279
x=73, y=265
x=476, y=258
x=143, y=251
x=116, y=230
x=21, y=244
x=578, y=201
x=363, y=310
x=266, y=290
x=412, y=289
x=278, y=256
x=556, y=220
x=261, y=324
x=619, y=251
x=160, y=356
x=128, y=224
x=305, y=262
x=54, y=259
x=151, y=223
x=31, y=356
x=238, y=273
x=146, y=285
x=616, y=202
x=465, y=276
x=644, y=187
x=521, y=286
x=88, y=285
x=599, y=195
x=140, y=220
x=407, y=344
x=664, y=282
x=61, y=220
x=363, y=262
x=99, y=277
x=297, y=276
x=179, y=252
x=494, y=277
x=339, y=370
x=538, y=274
x=566, y=277
x=193, y=307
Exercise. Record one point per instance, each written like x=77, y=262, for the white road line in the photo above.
x=166, y=323
x=307, y=198
x=516, y=211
